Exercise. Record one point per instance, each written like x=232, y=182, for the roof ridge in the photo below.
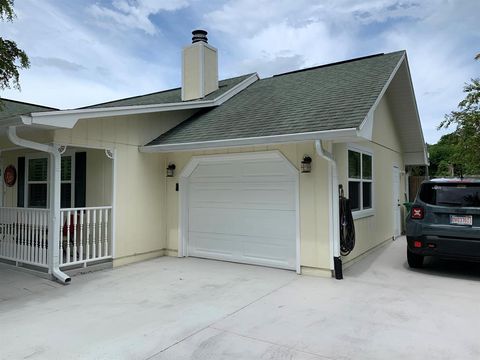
x=334, y=63
x=27, y=103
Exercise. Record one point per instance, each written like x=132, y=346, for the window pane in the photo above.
x=367, y=195
x=353, y=164
x=66, y=196
x=37, y=195
x=37, y=169
x=66, y=168
x=366, y=166
x=354, y=194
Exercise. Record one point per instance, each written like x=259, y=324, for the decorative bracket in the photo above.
x=61, y=149
x=109, y=153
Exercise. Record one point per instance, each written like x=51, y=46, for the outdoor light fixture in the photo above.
x=170, y=170
x=306, y=164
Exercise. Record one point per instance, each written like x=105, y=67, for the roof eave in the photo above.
x=15, y=120
x=366, y=127
x=69, y=118
x=350, y=134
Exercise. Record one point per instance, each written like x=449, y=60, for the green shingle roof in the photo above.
x=10, y=108
x=334, y=96
x=170, y=96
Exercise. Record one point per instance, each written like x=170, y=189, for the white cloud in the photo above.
x=74, y=64
x=136, y=14
x=86, y=53
x=439, y=37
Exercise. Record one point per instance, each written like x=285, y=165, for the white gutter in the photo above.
x=334, y=209
x=54, y=201
x=68, y=118
x=337, y=134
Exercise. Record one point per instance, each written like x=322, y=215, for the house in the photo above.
x=214, y=169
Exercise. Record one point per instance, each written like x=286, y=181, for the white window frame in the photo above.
x=72, y=178
x=42, y=156
x=27, y=182
x=362, y=213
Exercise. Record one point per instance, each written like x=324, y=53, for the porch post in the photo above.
x=54, y=205
x=54, y=200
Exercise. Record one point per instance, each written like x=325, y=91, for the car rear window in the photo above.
x=451, y=194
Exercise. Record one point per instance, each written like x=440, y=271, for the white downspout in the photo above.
x=54, y=201
x=334, y=209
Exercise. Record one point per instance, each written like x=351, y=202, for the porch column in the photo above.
x=54, y=205
x=54, y=201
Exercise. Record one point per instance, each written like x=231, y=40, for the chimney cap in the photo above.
x=199, y=35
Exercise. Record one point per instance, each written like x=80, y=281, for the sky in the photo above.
x=86, y=52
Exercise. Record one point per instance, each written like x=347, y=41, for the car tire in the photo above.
x=415, y=261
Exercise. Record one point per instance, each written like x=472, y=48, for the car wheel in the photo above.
x=415, y=261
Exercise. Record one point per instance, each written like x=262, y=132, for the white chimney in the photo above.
x=199, y=68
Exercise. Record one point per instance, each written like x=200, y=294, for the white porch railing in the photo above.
x=85, y=235
x=24, y=235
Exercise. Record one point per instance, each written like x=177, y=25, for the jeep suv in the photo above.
x=444, y=221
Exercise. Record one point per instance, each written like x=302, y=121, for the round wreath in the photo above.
x=10, y=175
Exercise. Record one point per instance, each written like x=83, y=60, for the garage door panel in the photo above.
x=254, y=195
x=275, y=197
x=272, y=255
x=238, y=249
x=212, y=245
x=205, y=195
x=205, y=172
x=263, y=223
x=243, y=211
x=256, y=168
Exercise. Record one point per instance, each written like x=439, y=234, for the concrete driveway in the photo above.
x=171, y=308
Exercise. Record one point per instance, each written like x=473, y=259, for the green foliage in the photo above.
x=6, y=10
x=11, y=57
x=462, y=147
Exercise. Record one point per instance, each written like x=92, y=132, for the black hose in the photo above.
x=347, y=227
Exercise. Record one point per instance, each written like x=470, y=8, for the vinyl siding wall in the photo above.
x=147, y=204
x=314, y=214
x=139, y=179
x=372, y=231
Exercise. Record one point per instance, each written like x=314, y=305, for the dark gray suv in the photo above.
x=444, y=221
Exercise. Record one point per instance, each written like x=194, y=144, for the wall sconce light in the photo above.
x=306, y=164
x=170, y=170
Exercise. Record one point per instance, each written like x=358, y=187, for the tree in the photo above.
x=443, y=155
x=467, y=122
x=11, y=57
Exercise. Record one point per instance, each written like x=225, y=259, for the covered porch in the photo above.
x=80, y=181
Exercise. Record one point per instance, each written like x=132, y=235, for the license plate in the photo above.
x=461, y=220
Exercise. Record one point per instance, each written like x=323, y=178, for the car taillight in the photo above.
x=417, y=213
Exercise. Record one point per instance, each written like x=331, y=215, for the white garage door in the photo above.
x=243, y=211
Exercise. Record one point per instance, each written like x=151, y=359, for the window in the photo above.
x=37, y=182
x=360, y=180
x=452, y=194
x=66, y=179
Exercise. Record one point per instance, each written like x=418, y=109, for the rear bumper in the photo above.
x=447, y=247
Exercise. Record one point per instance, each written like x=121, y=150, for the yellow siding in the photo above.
x=99, y=178
x=211, y=70
x=191, y=72
x=147, y=208
x=140, y=178
x=11, y=158
x=373, y=230
x=314, y=216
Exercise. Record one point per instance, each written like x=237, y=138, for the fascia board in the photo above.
x=369, y=118
x=68, y=118
x=343, y=134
